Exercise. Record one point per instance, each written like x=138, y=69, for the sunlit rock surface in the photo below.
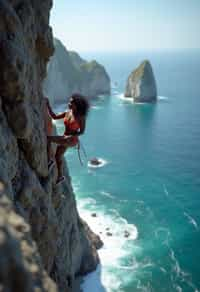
x=43, y=241
x=141, y=84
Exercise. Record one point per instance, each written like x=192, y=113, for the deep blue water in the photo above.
x=151, y=182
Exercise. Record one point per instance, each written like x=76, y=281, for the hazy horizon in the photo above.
x=109, y=26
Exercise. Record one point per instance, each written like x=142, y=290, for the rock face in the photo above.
x=68, y=73
x=43, y=242
x=141, y=84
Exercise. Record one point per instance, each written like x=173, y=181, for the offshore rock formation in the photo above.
x=68, y=73
x=43, y=242
x=141, y=84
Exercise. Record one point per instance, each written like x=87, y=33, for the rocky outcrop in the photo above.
x=43, y=242
x=141, y=84
x=21, y=268
x=68, y=73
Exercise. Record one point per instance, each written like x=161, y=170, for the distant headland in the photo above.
x=68, y=73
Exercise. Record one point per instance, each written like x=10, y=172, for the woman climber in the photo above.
x=74, y=121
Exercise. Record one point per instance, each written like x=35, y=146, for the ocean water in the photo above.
x=149, y=184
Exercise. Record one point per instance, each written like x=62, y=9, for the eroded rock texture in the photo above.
x=43, y=242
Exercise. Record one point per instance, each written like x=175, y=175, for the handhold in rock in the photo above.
x=109, y=233
x=94, y=215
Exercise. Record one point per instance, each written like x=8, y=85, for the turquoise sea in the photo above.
x=150, y=182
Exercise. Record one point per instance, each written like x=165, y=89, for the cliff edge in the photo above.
x=44, y=243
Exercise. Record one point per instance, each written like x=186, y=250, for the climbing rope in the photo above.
x=79, y=146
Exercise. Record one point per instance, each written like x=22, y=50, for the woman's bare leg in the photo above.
x=59, y=154
x=63, y=143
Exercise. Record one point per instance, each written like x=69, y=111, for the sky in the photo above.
x=126, y=25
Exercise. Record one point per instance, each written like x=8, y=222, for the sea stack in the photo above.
x=141, y=84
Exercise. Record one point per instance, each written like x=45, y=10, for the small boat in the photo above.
x=95, y=161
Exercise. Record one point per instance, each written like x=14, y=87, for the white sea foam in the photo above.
x=180, y=274
x=191, y=220
x=84, y=203
x=102, y=161
x=163, y=270
x=95, y=107
x=163, y=98
x=124, y=201
x=117, y=247
x=165, y=190
x=106, y=194
x=122, y=97
x=130, y=99
x=176, y=266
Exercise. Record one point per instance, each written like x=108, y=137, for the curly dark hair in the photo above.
x=82, y=104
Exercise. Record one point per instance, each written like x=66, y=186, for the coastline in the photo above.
x=118, y=237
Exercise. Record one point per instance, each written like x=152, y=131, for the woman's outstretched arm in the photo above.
x=52, y=114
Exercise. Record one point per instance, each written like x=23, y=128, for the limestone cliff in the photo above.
x=43, y=242
x=68, y=73
x=141, y=84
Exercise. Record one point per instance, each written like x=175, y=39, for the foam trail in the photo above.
x=106, y=194
x=95, y=107
x=163, y=270
x=165, y=190
x=130, y=99
x=163, y=98
x=180, y=274
x=121, y=96
x=191, y=220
